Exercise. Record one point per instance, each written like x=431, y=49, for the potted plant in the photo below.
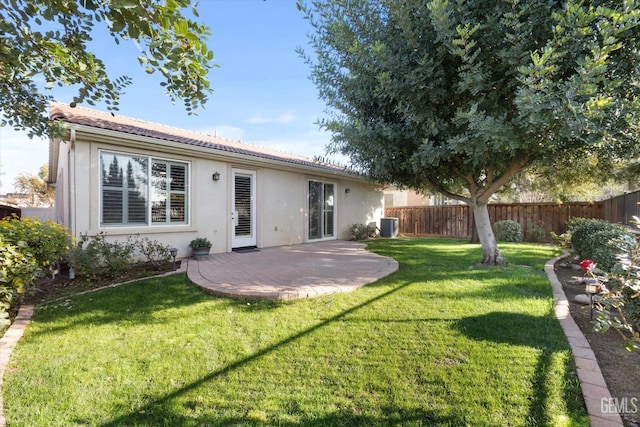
x=201, y=247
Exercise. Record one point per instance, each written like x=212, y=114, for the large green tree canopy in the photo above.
x=459, y=96
x=49, y=41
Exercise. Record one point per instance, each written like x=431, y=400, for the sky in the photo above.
x=262, y=93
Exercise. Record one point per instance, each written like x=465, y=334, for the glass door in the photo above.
x=243, y=209
x=321, y=210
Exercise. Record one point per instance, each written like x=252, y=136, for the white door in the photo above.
x=243, y=209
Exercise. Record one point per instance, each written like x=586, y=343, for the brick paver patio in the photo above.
x=289, y=272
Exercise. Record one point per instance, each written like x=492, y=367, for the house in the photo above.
x=123, y=176
x=396, y=197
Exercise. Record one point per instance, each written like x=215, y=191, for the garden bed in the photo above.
x=620, y=368
x=48, y=289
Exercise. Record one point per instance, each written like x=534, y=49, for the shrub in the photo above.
x=536, y=232
x=507, y=231
x=362, y=232
x=575, y=222
x=18, y=268
x=564, y=240
x=154, y=252
x=47, y=241
x=619, y=307
x=595, y=240
x=95, y=257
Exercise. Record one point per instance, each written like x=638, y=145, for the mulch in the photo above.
x=620, y=367
x=51, y=288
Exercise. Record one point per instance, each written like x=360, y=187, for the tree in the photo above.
x=460, y=96
x=562, y=183
x=44, y=40
x=40, y=194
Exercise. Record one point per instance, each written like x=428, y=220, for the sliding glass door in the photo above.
x=321, y=210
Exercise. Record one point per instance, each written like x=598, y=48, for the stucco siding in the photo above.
x=144, y=160
x=363, y=204
x=281, y=200
x=281, y=209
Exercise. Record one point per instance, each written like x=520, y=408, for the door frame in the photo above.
x=322, y=219
x=252, y=239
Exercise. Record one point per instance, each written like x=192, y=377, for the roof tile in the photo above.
x=114, y=122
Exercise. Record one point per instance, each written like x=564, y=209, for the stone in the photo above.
x=584, y=299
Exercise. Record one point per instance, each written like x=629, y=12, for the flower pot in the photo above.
x=200, y=254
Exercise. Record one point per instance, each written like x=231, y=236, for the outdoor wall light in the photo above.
x=174, y=253
x=215, y=176
x=347, y=190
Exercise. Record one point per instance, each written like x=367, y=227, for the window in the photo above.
x=128, y=199
x=321, y=210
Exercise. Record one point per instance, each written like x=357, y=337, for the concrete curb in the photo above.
x=8, y=343
x=594, y=388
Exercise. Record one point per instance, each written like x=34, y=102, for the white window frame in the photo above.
x=149, y=192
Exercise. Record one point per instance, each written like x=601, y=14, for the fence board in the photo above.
x=6, y=211
x=457, y=220
x=622, y=209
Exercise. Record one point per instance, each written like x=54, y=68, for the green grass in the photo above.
x=437, y=343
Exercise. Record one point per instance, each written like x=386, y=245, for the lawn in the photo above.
x=437, y=343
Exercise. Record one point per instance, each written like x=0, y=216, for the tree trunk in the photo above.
x=474, y=230
x=490, y=252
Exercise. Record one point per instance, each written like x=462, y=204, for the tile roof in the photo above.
x=114, y=122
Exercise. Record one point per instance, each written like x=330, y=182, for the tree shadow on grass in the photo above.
x=392, y=416
x=159, y=409
x=138, y=302
x=542, y=333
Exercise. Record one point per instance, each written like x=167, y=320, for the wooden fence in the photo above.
x=457, y=221
x=622, y=209
x=8, y=211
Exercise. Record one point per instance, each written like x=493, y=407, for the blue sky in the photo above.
x=262, y=92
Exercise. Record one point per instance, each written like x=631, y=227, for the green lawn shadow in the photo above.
x=519, y=329
x=396, y=415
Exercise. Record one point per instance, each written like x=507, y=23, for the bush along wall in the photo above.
x=29, y=248
x=96, y=257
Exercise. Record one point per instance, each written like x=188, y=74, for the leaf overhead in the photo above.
x=44, y=40
x=458, y=97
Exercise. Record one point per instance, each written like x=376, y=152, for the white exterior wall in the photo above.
x=43, y=214
x=363, y=204
x=281, y=208
x=281, y=205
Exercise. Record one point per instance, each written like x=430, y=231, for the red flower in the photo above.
x=587, y=264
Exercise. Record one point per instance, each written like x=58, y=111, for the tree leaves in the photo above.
x=43, y=39
x=472, y=92
x=460, y=96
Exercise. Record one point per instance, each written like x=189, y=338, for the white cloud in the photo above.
x=260, y=119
